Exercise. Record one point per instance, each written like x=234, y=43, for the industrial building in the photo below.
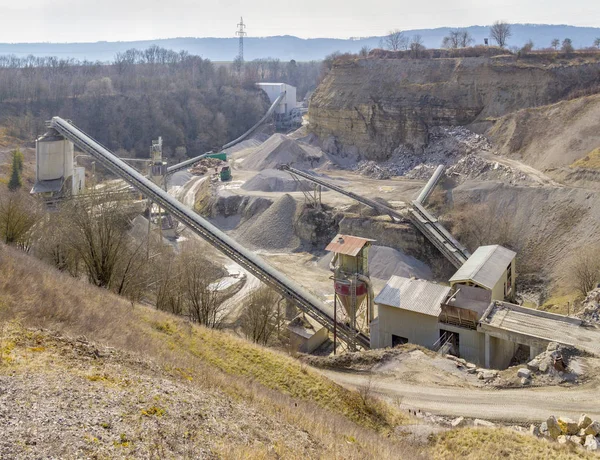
x=471, y=318
x=287, y=115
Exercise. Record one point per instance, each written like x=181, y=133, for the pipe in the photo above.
x=433, y=180
x=333, y=261
x=365, y=279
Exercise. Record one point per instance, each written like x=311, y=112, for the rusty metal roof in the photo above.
x=486, y=266
x=412, y=294
x=348, y=245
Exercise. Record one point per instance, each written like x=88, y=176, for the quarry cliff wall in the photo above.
x=372, y=106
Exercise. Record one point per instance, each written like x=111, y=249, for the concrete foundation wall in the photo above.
x=502, y=352
x=416, y=327
x=470, y=343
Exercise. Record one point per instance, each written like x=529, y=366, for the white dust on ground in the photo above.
x=385, y=262
x=272, y=180
x=273, y=230
x=279, y=149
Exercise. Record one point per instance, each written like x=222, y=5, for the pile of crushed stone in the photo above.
x=446, y=146
x=280, y=149
x=272, y=230
x=385, y=262
x=273, y=180
x=591, y=307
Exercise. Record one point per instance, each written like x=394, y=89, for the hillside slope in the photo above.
x=83, y=373
x=137, y=381
x=552, y=138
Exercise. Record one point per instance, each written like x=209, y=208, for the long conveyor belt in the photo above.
x=307, y=302
x=428, y=225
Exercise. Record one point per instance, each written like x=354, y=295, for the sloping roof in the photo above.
x=412, y=294
x=485, y=266
x=348, y=245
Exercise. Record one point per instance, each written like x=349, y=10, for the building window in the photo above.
x=397, y=340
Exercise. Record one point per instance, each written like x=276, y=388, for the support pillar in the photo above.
x=487, y=351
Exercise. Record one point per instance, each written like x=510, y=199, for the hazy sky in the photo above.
x=112, y=20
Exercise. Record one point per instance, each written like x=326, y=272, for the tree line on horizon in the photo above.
x=194, y=104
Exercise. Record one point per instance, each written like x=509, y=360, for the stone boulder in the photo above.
x=591, y=443
x=593, y=428
x=568, y=426
x=553, y=428
x=524, y=373
x=534, y=430
x=576, y=440
x=584, y=421
x=533, y=365
x=458, y=422
x=562, y=439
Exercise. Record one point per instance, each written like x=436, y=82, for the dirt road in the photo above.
x=518, y=405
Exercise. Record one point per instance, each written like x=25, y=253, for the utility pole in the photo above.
x=241, y=32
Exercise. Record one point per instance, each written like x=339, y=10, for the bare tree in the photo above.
x=395, y=40
x=416, y=46
x=500, y=32
x=597, y=43
x=201, y=293
x=584, y=270
x=261, y=315
x=555, y=43
x=567, y=46
x=18, y=216
x=364, y=51
x=457, y=39
x=528, y=47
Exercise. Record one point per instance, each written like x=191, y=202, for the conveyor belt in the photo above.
x=307, y=302
x=427, y=224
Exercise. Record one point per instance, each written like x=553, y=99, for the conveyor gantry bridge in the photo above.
x=427, y=224
x=307, y=302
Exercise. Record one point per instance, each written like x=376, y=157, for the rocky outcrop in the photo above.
x=373, y=106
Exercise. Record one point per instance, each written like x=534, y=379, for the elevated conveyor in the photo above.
x=307, y=302
x=428, y=225
x=187, y=163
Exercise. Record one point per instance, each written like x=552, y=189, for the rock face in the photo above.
x=372, y=106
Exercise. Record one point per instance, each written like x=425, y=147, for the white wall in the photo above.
x=416, y=327
x=273, y=90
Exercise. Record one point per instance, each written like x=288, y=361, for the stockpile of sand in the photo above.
x=272, y=180
x=385, y=262
x=280, y=149
x=273, y=230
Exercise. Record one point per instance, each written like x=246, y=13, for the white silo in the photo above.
x=54, y=165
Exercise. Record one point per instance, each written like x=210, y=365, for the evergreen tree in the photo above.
x=15, y=176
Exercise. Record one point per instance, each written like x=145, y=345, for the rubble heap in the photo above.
x=584, y=432
x=455, y=147
x=205, y=165
x=591, y=307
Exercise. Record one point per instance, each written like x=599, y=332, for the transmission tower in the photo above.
x=241, y=32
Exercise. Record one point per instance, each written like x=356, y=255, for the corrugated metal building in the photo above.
x=491, y=268
x=408, y=311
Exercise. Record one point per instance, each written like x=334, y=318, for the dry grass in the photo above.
x=590, y=161
x=561, y=304
x=474, y=443
x=37, y=296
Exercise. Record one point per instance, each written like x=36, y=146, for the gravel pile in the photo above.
x=273, y=180
x=273, y=230
x=280, y=149
x=385, y=262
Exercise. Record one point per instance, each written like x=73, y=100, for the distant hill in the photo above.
x=287, y=47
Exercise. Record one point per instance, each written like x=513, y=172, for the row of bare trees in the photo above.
x=94, y=239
